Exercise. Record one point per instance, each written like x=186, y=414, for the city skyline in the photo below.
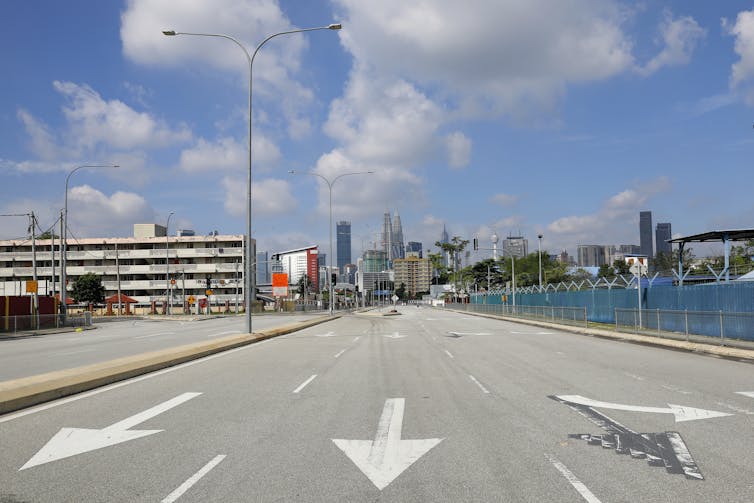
x=513, y=140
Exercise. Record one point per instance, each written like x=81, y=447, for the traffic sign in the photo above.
x=208, y=292
x=191, y=299
x=31, y=286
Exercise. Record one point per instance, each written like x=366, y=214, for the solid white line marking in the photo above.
x=303, y=384
x=582, y=489
x=87, y=394
x=356, y=339
x=485, y=390
x=750, y=394
x=193, y=479
x=340, y=353
x=448, y=353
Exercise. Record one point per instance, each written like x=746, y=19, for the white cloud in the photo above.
x=523, y=53
x=679, y=37
x=459, y=149
x=248, y=21
x=742, y=71
x=42, y=141
x=92, y=213
x=504, y=199
x=92, y=121
x=269, y=197
x=611, y=222
x=226, y=154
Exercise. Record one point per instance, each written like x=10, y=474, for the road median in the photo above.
x=26, y=392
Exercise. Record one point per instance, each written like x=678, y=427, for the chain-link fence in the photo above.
x=42, y=322
x=554, y=314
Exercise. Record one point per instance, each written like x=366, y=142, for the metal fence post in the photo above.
x=722, y=330
x=636, y=328
x=615, y=313
x=658, y=323
x=686, y=316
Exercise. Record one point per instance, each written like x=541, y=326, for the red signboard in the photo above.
x=279, y=284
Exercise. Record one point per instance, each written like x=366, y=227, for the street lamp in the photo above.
x=64, y=248
x=249, y=279
x=330, y=183
x=167, y=263
x=539, y=236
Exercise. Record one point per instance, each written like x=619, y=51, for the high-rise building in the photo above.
x=445, y=239
x=398, y=247
x=387, y=235
x=662, y=235
x=375, y=261
x=645, y=233
x=414, y=272
x=263, y=269
x=343, y=231
x=591, y=255
x=414, y=249
x=515, y=246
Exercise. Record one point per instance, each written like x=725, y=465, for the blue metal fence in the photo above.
x=601, y=304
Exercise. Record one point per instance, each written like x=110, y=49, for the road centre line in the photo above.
x=356, y=339
x=97, y=391
x=449, y=353
x=170, y=498
x=582, y=489
x=484, y=390
x=340, y=353
x=303, y=384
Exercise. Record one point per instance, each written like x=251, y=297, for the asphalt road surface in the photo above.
x=28, y=356
x=427, y=406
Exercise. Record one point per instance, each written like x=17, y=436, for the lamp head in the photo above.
x=169, y=33
x=335, y=26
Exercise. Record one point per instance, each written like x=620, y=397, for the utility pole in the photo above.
x=117, y=276
x=35, y=309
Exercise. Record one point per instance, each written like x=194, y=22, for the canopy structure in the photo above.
x=122, y=299
x=725, y=237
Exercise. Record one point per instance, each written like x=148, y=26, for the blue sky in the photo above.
x=560, y=117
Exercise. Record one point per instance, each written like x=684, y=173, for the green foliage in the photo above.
x=88, y=289
x=47, y=235
x=303, y=285
x=401, y=292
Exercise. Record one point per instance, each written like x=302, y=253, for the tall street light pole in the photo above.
x=249, y=276
x=64, y=243
x=539, y=236
x=330, y=183
x=167, y=263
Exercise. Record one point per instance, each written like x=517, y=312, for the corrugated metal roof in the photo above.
x=728, y=235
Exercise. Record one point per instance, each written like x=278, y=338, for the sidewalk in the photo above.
x=733, y=353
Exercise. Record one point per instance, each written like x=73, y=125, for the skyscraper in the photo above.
x=645, y=233
x=662, y=235
x=263, y=268
x=343, y=231
x=399, y=250
x=414, y=248
x=387, y=235
x=515, y=246
x=445, y=239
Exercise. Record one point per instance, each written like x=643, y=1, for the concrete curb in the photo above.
x=29, y=391
x=694, y=347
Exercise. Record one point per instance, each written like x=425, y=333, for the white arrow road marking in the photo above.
x=394, y=335
x=71, y=441
x=170, y=498
x=681, y=412
x=750, y=394
x=385, y=458
x=328, y=334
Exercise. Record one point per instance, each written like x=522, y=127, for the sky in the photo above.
x=564, y=118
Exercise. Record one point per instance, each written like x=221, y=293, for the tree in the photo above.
x=88, y=289
x=47, y=235
x=664, y=263
x=303, y=285
x=454, y=248
x=439, y=270
x=401, y=291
